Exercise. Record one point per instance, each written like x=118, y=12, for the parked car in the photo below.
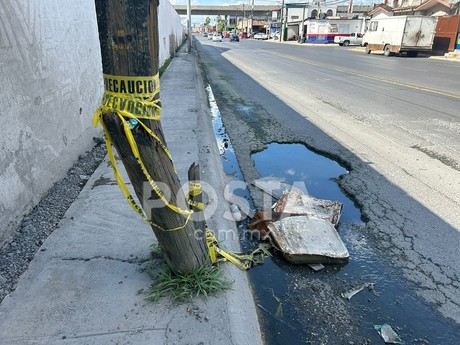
x=234, y=37
x=261, y=36
x=205, y=34
x=355, y=38
x=227, y=35
x=275, y=35
x=217, y=38
x=210, y=36
x=244, y=35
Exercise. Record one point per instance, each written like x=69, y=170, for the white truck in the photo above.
x=400, y=34
x=355, y=38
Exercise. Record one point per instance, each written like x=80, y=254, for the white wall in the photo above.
x=51, y=83
x=169, y=23
x=51, y=77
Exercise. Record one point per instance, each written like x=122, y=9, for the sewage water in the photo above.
x=299, y=306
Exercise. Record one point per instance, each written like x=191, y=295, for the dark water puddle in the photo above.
x=299, y=306
x=299, y=287
x=297, y=165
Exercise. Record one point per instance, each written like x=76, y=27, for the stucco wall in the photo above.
x=51, y=83
x=169, y=25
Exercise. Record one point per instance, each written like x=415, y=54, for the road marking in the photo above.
x=388, y=81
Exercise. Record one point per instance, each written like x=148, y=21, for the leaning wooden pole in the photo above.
x=128, y=34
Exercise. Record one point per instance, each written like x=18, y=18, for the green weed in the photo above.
x=203, y=281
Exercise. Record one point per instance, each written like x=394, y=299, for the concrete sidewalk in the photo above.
x=84, y=285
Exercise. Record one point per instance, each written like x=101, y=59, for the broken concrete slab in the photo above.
x=294, y=203
x=274, y=186
x=305, y=239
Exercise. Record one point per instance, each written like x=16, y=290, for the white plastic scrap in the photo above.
x=388, y=334
x=350, y=293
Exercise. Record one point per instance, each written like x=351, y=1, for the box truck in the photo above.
x=400, y=34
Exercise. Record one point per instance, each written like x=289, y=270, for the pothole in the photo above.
x=299, y=306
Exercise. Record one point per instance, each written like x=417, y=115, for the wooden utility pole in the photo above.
x=128, y=34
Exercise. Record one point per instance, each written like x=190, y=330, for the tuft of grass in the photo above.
x=203, y=281
x=164, y=66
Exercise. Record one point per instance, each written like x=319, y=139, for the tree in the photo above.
x=220, y=26
x=207, y=21
x=128, y=35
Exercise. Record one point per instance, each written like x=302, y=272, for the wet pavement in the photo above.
x=300, y=306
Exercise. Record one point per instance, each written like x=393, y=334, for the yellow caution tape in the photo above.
x=216, y=254
x=242, y=261
x=132, y=98
x=194, y=190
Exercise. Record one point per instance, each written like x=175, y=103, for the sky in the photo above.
x=229, y=2
x=256, y=2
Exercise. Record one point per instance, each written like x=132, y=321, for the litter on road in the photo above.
x=388, y=334
x=350, y=293
x=317, y=267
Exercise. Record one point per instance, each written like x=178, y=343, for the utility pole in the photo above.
x=282, y=22
x=350, y=7
x=252, y=17
x=189, y=26
x=128, y=35
x=245, y=23
x=303, y=24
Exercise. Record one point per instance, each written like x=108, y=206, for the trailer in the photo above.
x=400, y=34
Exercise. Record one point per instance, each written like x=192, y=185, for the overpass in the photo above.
x=228, y=10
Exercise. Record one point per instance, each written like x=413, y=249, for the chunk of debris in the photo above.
x=388, y=334
x=350, y=293
x=274, y=186
x=305, y=239
x=236, y=214
x=317, y=267
x=294, y=203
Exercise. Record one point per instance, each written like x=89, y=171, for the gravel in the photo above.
x=44, y=218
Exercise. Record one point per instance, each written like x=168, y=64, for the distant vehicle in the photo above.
x=400, y=34
x=205, y=34
x=355, y=38
x=234, y=37
x=217, y=38
x=275, y=35
x=210, y=36
x=244, y=35
x=261, y=36
x=227, y=35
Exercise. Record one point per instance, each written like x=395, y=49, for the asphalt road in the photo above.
x=394, y=122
